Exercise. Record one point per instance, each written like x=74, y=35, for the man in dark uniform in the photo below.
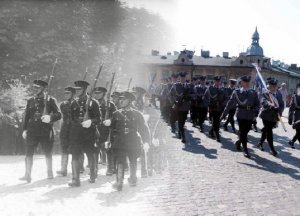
x=193, y=109
x=231, y=112
x=163, y=98
x=294, y=115
x=115, y=99
x=106, y=153
x=215, y=97
x=246, y=103
x=171, y=101
x=37, y=128
x=180, y=94
x=201, y=107
x=129, y=132
x=65, y=108
x=273, y=106
x=83, y=132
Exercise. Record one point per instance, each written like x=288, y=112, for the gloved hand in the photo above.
x=107, y=122
x=107, y=145
x=46, y=118
x=24, y=134
x=146, y=147
x=87, y=123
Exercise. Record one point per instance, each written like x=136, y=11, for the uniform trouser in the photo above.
x=194, y=114
x=121, y=155
x=202, y=113
x=182, y=116
x=64, y=144
x=267, y=132
x=244, y=128
x=173, y=118
x=76, y=165
x=230, y=118
x=215, y=116
x=31, y=144
x=297, y=136
x=110, y=160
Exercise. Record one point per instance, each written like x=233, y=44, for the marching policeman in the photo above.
x=294, y=115
x=171, y=101
x=215, y=97
x=129, y=133
x=84, y=118
x=180, y=94
x=37, y=128
x=246, y=103
x=272, y=108
x=231, y=112
x=65, y=108
x=106, y=153
x=201, y=107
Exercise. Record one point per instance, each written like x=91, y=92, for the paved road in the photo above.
x=203, y=177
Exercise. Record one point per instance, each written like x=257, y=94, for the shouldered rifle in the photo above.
x=108, y=96
x=89, y=99
x=47, y=93
x=129, y=84
x=85, y=74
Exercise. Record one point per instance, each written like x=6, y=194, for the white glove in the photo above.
x=46, y=118
x=155, y=142
x=24, y=134
x=146, y=147
x=146, y=117
x=87, y=123
x=107, y=122
x=107, y=145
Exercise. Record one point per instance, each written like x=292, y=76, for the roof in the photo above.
x=197, y=60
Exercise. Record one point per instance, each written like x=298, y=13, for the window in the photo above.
x=241, y=61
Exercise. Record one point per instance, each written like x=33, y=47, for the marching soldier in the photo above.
x=246, y=103
x=180, y=94
x=193, y=109
x=129, y=132
x=273, y=106
x=215, y=97
x=231, y=112
x=294, y=116
x=171, y=101
x=201, y=107
x=83, y=132
x=65, y=108
x=37, y=128
x=115, y=99
x=106, y=153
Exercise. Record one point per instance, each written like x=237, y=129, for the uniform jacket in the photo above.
x=246, y=103
x=294, y=111
x=180, y=94
x=33, y=113
x=270, y=113
x=65, y=108
x=78, y=110
x=215, y=98
x=103, y=130
x=199, y=91
x=129, y=130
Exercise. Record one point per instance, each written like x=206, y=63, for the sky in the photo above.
x=227, y=26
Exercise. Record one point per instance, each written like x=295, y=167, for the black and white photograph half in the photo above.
x=149, y=107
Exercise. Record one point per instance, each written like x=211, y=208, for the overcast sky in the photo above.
x=219, y=25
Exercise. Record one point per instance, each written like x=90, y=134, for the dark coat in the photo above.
x=246, y=103
x=270, y=113
x=294, y=111
x=65, y=108
x=215, y=99
x=129, y=131
x=33, y=113
x=180, y=94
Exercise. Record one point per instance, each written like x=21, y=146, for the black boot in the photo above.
x=246, y=153
x=260, y=146
x=238, y=145
x=28, y=167
x=201, y=128
x=218, y=137
x=64, y=165
x=291, y=143
x=75, y=174
x=225, y=127
x=211, y=133
x=132, y=178
x=183, y=136
x=120, y=177
x=92, y=162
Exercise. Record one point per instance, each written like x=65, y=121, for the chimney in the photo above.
x=293, y=66
x=205, y=53
x=154, y=52
x=169, y=53
x=225, y=54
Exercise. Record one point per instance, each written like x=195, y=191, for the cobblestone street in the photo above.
x=203, y=177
